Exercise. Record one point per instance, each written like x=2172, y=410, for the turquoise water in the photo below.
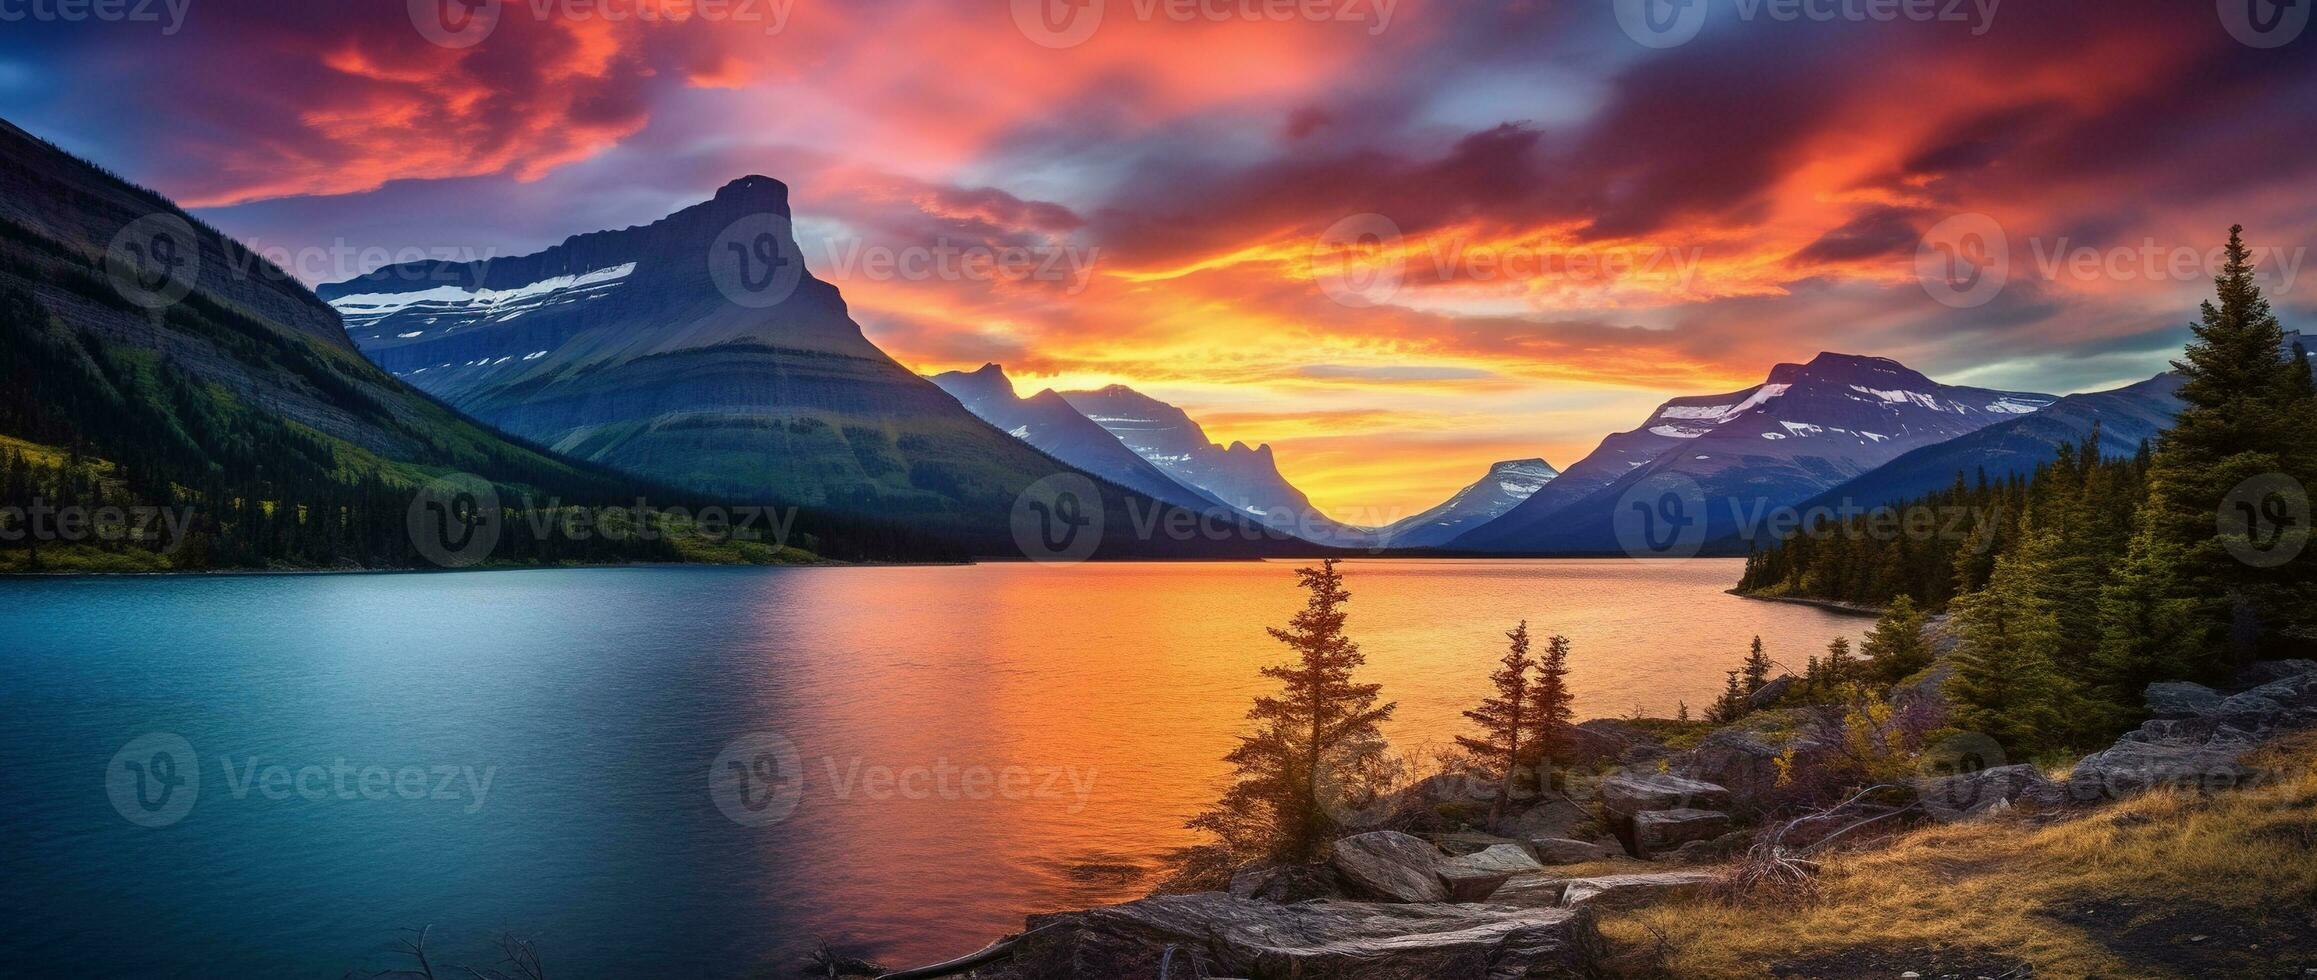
x=532, y=752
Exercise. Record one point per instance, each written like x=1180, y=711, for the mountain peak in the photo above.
x=1832, y=365
x=754, y=192
x=1533, y=464
x=987, y=381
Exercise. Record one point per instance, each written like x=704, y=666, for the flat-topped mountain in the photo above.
x=700, y=350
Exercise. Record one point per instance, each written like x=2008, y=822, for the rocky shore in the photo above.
x=1435, y=891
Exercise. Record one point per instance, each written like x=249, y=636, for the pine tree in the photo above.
x=1732, y=705
x=1896, y=649
x=2007, y=684
x=1317, y=745
x=1757, y=668
x=1552, y=706
x=2246, y=415
x=1503, y=718
x=1838, y=664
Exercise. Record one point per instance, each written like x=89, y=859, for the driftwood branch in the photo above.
x=994, y=951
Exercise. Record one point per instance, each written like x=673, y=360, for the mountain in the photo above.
x=699, y=350
x=148, y=361
x=1046, y=421
x=1507, y=484
x=1243, y=478
x=1806, y=428
x=2015, y=447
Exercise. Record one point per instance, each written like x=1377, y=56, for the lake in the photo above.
x=944, y=749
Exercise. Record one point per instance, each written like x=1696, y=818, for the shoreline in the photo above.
x=1830, y=605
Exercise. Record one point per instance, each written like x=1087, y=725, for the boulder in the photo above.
x=1771, y=693
x=2193, y=753
x=1744, y=762
x=1592, y=745
x=1531, y=890
x=1472, y=877
x=1621, y=892
x=1287, y=884
x=1551, y=816
x=1213, y=934
x=1662, y=831
x=1461, y=842
x=1419, y=807
x=1562, y=850
x=1972, y=794
x=1390, y=865
x=1639, y=744
x=1629, y=793
x=2180, y=699
x=2271, y=671
x=2287, y=703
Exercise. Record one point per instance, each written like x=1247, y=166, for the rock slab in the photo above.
x=1662, y=831
x=1472, y=877
x=1390, y=865
x=1216, y=935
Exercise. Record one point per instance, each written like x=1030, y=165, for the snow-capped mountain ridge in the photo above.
x=1805, y=428
x=1503, y=488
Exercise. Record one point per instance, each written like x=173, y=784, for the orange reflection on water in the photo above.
x=983, y=742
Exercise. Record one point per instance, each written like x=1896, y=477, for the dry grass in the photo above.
x=1990, y=884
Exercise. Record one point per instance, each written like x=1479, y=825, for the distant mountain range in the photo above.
x=1806, y=428
x=1247, y=479
x=2126, y=417
x=1507, y=484
x=1045, y=420
x=699, y=350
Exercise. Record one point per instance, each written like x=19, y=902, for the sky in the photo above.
x=1397, y=240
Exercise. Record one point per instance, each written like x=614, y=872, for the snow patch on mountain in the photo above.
x=362, y=309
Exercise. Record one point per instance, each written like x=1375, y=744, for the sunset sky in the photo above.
x=1758, y=193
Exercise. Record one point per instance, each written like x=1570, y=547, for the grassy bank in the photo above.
x=2165, y=884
